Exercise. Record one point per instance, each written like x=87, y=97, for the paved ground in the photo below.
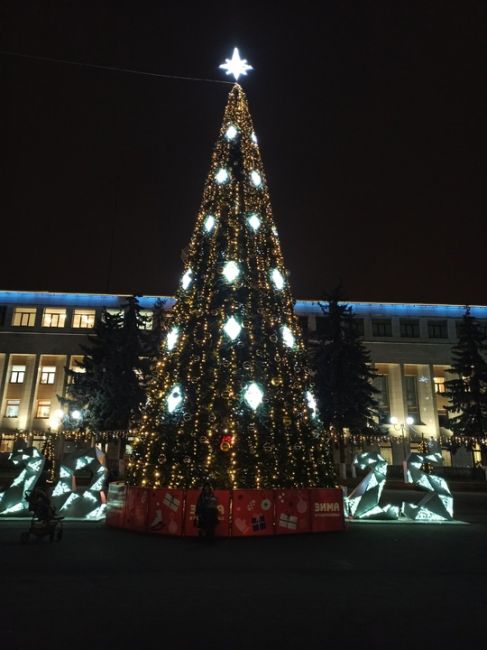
x=374, y=586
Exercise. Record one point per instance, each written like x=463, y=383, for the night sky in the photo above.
x=370, y=118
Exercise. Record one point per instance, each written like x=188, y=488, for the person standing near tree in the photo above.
x=207, y=512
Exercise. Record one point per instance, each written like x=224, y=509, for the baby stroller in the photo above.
x=44, y=521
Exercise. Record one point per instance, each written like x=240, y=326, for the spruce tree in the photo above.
x=467, y=393
x=231, y=397
x=343, y=375
x=109, y=390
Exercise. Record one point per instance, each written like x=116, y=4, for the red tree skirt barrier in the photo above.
x=241, y=513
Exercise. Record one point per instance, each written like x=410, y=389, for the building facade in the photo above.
x=410, y=346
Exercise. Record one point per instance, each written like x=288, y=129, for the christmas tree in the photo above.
x=467, y=393
x=231, y=398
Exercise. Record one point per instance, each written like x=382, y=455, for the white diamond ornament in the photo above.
x=174, y=399
x=209, y=223
x=232, y=328
x=231, y=132
x=255, y=178
x=231, y=271
x=222, y=176
x=186, y=279
x=254, y=395
x=277, y=279
x=172, y=338
x=287, y=336
x=254, y=222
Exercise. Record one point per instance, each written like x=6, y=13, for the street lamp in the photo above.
x=402, y=426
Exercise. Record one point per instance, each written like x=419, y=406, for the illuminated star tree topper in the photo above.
x=236, y=65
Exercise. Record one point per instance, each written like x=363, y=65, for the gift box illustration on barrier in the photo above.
x=252, y=513
x=166, y=512
x=117, y=494
x=292, y=511
x=190, y=519
x=137, y=503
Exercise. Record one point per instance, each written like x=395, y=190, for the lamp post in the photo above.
x=402, y=426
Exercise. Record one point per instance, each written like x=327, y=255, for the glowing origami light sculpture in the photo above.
x=363, y=502
x=437, y=505
x=71, y=501
x=31, y=463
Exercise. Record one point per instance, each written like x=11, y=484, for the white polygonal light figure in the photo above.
x=277, y=279
x=231, y=271
x=209, y=223
x=222, y=176
x=231, y=132
x=310, y=399
x=76, y=415
x=232, y=328
x=253, y=395
x=255, y=178
x=172, y=338
x=186, y=279
x=174, y=399
x=287, y=336
x=236, y=65
x=253, y=137
x=254, y=222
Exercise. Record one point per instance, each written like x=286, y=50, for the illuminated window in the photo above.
x=12, y=409
x=437, y=329
x=75, y=369
x=43, y=408
x=84, y=318
x=381, y=327
x=439, y=383
x=17, y=375
x=53, y=317
x=381, y=383
x=147, y=320
x=24, y=317
x=411, y=391
x=48, y=374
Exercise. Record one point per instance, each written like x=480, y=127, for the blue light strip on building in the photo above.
x=302, y=307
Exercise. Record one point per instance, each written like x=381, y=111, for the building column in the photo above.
x=427, y=402
x=398, y=410
x=33, y=393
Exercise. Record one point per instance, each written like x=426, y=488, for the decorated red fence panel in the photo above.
x=117, y=494
x=166, y=511
x=252, y=512
x=136, y=506
x=292, y=511
x=326, y=509
x=190, y=523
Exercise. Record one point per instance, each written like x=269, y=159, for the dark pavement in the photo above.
x=374, y=586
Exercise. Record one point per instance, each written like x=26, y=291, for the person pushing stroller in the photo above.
x=207, y=512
